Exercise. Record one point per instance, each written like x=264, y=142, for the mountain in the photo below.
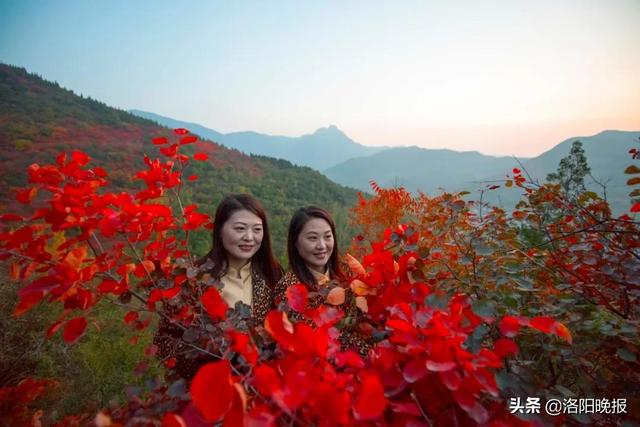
x=322, y=149
x=39, y=119
x=608, y=156
x=417, y=168
x=431, y=170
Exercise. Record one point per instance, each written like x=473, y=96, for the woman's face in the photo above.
x=315, y=244
x=242, y=236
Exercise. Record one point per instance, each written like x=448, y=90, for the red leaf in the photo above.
x=213, y=303
x=171, y=419
x=414, y=370
x=278, y=325
x=349, y=358
x=80, y=158
x=130, y=317
x=188, y=140
x=211, y=390
x=326, y=315
x=509, y=326
x=10, y=217
x=542, y=323
x=27, y=301
x=505, y=347
x=297, y=297
x=100, y=172
x=14, y=271
x=260, y=416
x=74, y=329
x=434, y=366
x=200, y=156
x=516, y=171
x=371, y=402
x=160, y=140
x=54, y=328
x=635, y=207
x=405, y=408
x=243, y=345
x=266, y=380
x=563, y=332
x=180, y=131
x=170, y=151
x=25, y=196
x=451, y=379
x=194, y=220
x=193, y=177
x=109, y=225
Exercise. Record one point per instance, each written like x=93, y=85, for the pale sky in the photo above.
x=512, y=77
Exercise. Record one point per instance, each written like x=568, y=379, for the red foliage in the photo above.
x=17, y=402
x=213, y=303
x=212, y=390
x=411, y=288
x=74, y=329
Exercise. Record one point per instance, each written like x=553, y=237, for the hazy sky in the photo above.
x=499, y=77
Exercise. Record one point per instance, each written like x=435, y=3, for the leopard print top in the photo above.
x=350, y=338
x=169, y=337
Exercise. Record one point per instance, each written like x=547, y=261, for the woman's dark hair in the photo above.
x=296, y=263
x=263, y=262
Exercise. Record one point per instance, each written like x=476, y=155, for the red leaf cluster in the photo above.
x=423, y=292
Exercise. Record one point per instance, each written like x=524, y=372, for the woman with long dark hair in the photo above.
x=241, y=255
x=312, y=247
x=314, y=260
x=241, y=260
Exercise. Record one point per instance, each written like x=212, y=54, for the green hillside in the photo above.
x=39, y=119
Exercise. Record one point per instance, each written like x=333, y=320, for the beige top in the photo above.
x=321, y=278
x=237, y=285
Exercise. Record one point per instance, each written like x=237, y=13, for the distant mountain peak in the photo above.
x=330, y=130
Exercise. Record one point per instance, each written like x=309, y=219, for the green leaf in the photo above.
x=436, y=301
x=524, y=283
x=502, y=280
x=510, y=302
x=482, y=249
x=626, y=355
x=474, y=341
x=484, y=308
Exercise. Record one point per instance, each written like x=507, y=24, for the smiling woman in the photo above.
x=242, y=261
x=312, y=247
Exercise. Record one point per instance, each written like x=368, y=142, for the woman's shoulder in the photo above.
x=289, y=278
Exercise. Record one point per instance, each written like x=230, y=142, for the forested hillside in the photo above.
x=39, y=119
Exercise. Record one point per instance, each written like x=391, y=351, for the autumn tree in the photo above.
x=571, y=171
